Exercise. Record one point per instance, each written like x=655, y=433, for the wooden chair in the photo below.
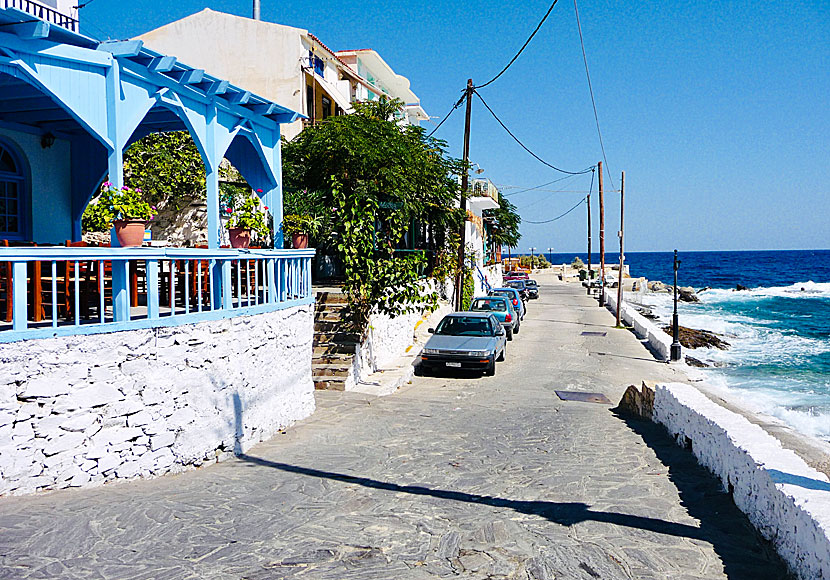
x=6, y=286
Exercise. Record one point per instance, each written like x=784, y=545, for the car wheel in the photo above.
x=509, y=334
x=501, y=356
x=491, y=368
x=516, y=330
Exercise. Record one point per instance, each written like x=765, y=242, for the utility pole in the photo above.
x=465, y=182
x=550, y=255
x=622, y=257
x=256, y=10
x=532, y=256
x=601, y=240
x=589, y=242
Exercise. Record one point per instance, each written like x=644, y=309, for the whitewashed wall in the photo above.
x=785, y=499
x=84, y=410
x=657, y=340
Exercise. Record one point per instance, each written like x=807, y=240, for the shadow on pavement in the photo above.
x=744, y=553
x=741, y=558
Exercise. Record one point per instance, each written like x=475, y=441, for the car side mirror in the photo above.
x=431, y=330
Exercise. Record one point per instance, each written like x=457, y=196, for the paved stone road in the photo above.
x=450, y=477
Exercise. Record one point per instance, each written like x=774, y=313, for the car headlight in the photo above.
x=479, y=353
x=431, y=351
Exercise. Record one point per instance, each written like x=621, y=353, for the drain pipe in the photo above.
x=256, y=10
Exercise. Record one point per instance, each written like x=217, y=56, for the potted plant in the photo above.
x=300, y=227
x=245, y=218
x=130, y=213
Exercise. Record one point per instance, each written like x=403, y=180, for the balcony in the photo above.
x=63, y=291
x=483, y=195
x=42, y=12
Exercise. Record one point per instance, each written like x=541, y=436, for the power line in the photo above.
x=591, y=90
x=538, y=187
x=525, y=146
x=447, y=116
x=84, y=4
x=524, y=46
x=557, y=217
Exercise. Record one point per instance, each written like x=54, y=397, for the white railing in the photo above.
x=43, y=12
x=53, y=291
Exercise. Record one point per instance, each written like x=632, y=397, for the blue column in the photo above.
x=20, y=308
x=212, y=179
x=121, y=291
x=152, y=289
x=275, y=195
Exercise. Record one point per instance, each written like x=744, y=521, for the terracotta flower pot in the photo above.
x=299, y=241
x=239, y=237
x=130, y=233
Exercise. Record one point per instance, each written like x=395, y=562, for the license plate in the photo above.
x=456, y=365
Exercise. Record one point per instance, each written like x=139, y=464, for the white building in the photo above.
x=482, y=195
x=283, y=63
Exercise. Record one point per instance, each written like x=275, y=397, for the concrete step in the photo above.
x=329, y=383
x=327, y=316
x=336, y=337
x=331, y=298
x=333, y=326
x=329, y=371
x=333, y=359
x=330, y=306
x=329, y=348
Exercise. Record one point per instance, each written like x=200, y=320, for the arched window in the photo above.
x=12, y=185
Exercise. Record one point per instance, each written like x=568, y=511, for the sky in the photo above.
x=717, y=111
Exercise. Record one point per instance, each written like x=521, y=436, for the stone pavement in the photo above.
x=452, y=476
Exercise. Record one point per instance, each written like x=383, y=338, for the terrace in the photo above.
x=69, y=108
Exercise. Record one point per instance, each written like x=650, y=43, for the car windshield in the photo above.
x=532, y=283
x=516, y=284
x=506, y=293
x=489, y=305
x=464, y=326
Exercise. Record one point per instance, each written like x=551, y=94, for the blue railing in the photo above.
x=60, y=291
x=42, y=12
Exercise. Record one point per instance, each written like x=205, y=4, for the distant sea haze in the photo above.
x=779, y=329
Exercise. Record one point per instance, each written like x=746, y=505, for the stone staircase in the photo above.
x=334, y=342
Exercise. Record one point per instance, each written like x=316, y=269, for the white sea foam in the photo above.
x=794, y=399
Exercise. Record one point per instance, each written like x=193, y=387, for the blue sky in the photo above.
x=718, y=111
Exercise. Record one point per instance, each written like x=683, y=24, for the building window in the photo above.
x=317, y=64
x=12, y=187
x=309, y=102
x=326, y=107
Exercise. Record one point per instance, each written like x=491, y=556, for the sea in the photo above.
x=779, y=329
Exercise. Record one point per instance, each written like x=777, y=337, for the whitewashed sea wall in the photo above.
x=785, y=499
x=656, y=339
x=84, y=410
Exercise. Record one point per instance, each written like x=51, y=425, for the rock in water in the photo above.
x=687, y=294
x=693, y=362
x=741, y=288
x=693, y=338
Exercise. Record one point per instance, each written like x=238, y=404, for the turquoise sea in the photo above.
x=779, y=329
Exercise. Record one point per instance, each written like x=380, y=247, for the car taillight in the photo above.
x=515, y=302
x=508, y=318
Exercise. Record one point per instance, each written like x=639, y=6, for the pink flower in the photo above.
x=266, y=207
x=125, y=188
x=138, y=190
x=152, y=206
x=229, y=210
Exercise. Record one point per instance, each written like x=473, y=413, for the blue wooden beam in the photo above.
x=30, y=30
x=162, y=64
x=188, y=77
x=122, y=48
x=216, y=87
x=262, y=109
x=239, y=98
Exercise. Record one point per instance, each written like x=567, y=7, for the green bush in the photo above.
x=468, y=290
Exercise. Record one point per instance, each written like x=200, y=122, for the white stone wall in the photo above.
x=84, y=410
x=657, y=340
x=785, y=499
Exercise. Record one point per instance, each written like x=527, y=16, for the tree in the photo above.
x=367, y=179
x=504, y=223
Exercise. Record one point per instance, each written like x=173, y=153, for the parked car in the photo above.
x=465, y=340
x=515, y=299
x=516, y=275
x=532, y=289
x=502, y=308
x=519, y=285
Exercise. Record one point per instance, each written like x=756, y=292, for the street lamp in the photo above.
x=531, y=258
x=550, y=255
x=675, y=345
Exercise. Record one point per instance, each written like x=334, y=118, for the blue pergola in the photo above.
x=101, y=97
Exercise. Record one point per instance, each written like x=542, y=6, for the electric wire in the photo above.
x=523, y=146
x=591, y=90
x=84, y=4
x=559, y=217
x=447, y=116
x=538, y=187
x=521, y=50
x=543, y=198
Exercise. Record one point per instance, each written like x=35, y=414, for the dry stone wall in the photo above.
x=84, y=410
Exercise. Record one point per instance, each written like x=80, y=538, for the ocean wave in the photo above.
x=798, y=290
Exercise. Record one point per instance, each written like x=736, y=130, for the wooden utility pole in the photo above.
x=465, y=182
x=589, y=242
x=601, y=240
x=622, y=257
